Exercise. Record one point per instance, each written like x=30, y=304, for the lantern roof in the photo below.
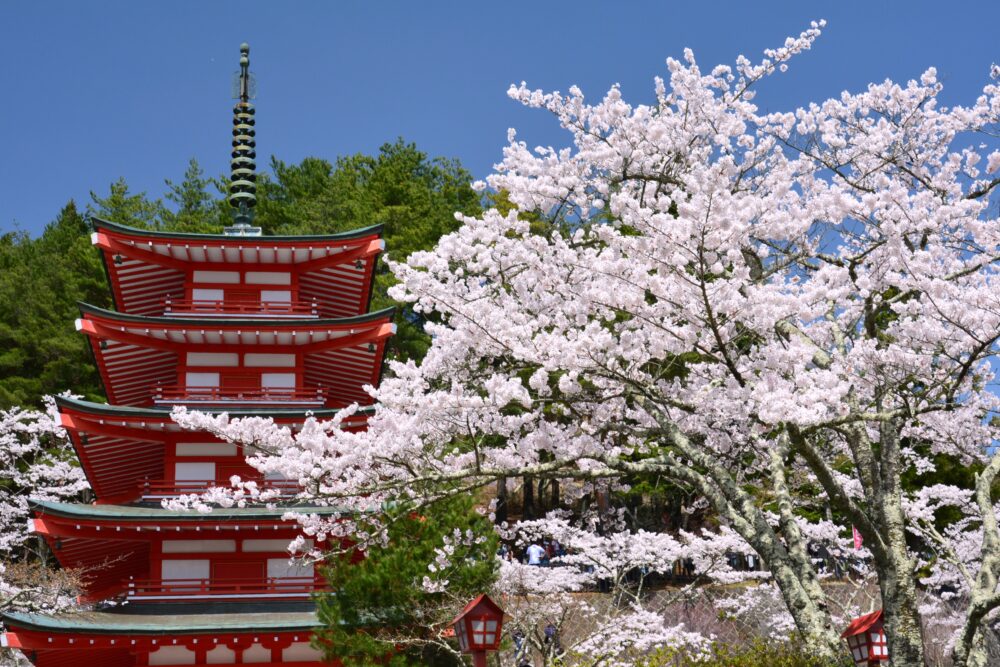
x=484, y=601
x=862, y=624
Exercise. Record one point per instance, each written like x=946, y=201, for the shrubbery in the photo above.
x=755, y=654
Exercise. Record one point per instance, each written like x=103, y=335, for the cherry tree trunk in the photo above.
x=540, y=497
x=501, y=509
x=789, y=564
x=902, y=619
x=898, y=585
x=970, y=647
x=896, y=567
x=812, y=621
x=528, y=490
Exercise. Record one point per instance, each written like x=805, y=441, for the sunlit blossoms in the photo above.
x=741, y=302
x=36, y=462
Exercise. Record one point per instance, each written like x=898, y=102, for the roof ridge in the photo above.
x=109, y=408
x=97, y=223
x=370, y=316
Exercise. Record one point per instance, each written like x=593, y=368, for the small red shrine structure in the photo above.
x=478, y=628
x=240, y=323
x=865, y=637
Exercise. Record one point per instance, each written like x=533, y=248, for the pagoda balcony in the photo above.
x=286, y=397
x=160, y=590
x=158, y=489
x=236, y=308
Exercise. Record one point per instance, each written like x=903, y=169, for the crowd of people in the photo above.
x=537, y=553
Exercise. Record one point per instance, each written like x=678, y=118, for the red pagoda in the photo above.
x=240, y=323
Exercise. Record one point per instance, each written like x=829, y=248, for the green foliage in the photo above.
x=386, y=586
x=41, y=281
x=198, y=210
x=127, y=208
x=539, y=224
x=758, y=653
x=198, y=205
x=413, y=196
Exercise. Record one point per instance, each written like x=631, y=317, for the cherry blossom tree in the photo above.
x=547, y=615
x=730, y=299
x=616, y=628
x=36, y=462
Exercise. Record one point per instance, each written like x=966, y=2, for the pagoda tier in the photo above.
x=261, y=634
x=134, y=454
x=148, y=554
x=233, y=361
x=270, y=327
x=174, y=274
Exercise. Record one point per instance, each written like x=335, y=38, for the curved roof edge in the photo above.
x=87, y=308
x=147, y=513
x=98, y=622
x=99, y=223
x=106, y=409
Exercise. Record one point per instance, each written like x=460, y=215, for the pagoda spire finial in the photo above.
x=243, y=181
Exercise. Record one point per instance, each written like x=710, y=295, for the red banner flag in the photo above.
x=857, y=538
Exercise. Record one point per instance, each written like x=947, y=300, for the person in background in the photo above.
x=535, y=554
x=520, y=649
x=552, y=647
x=547, y=546
x=557, y=549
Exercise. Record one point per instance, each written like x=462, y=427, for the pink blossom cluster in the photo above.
x=701, y=290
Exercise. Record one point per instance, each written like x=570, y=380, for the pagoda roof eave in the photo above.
x=135, y=354
x=146, y=513
x=88, y=309
x=107, y=410
x=99, y=223
x=100, y=623
x=120, y=447
x=149, y=270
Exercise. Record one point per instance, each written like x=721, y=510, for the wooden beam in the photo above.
x=373, y=247
x=112, y=244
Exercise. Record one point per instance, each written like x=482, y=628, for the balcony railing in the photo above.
x=153, y=489
x=218, y=589
x=264, y=395
x=239, y=308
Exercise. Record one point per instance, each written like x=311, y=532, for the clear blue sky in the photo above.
x=93, y=91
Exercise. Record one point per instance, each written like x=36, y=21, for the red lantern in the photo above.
x=478, y=628
x=866, y=638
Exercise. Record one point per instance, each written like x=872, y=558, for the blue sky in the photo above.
x=101, y=90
